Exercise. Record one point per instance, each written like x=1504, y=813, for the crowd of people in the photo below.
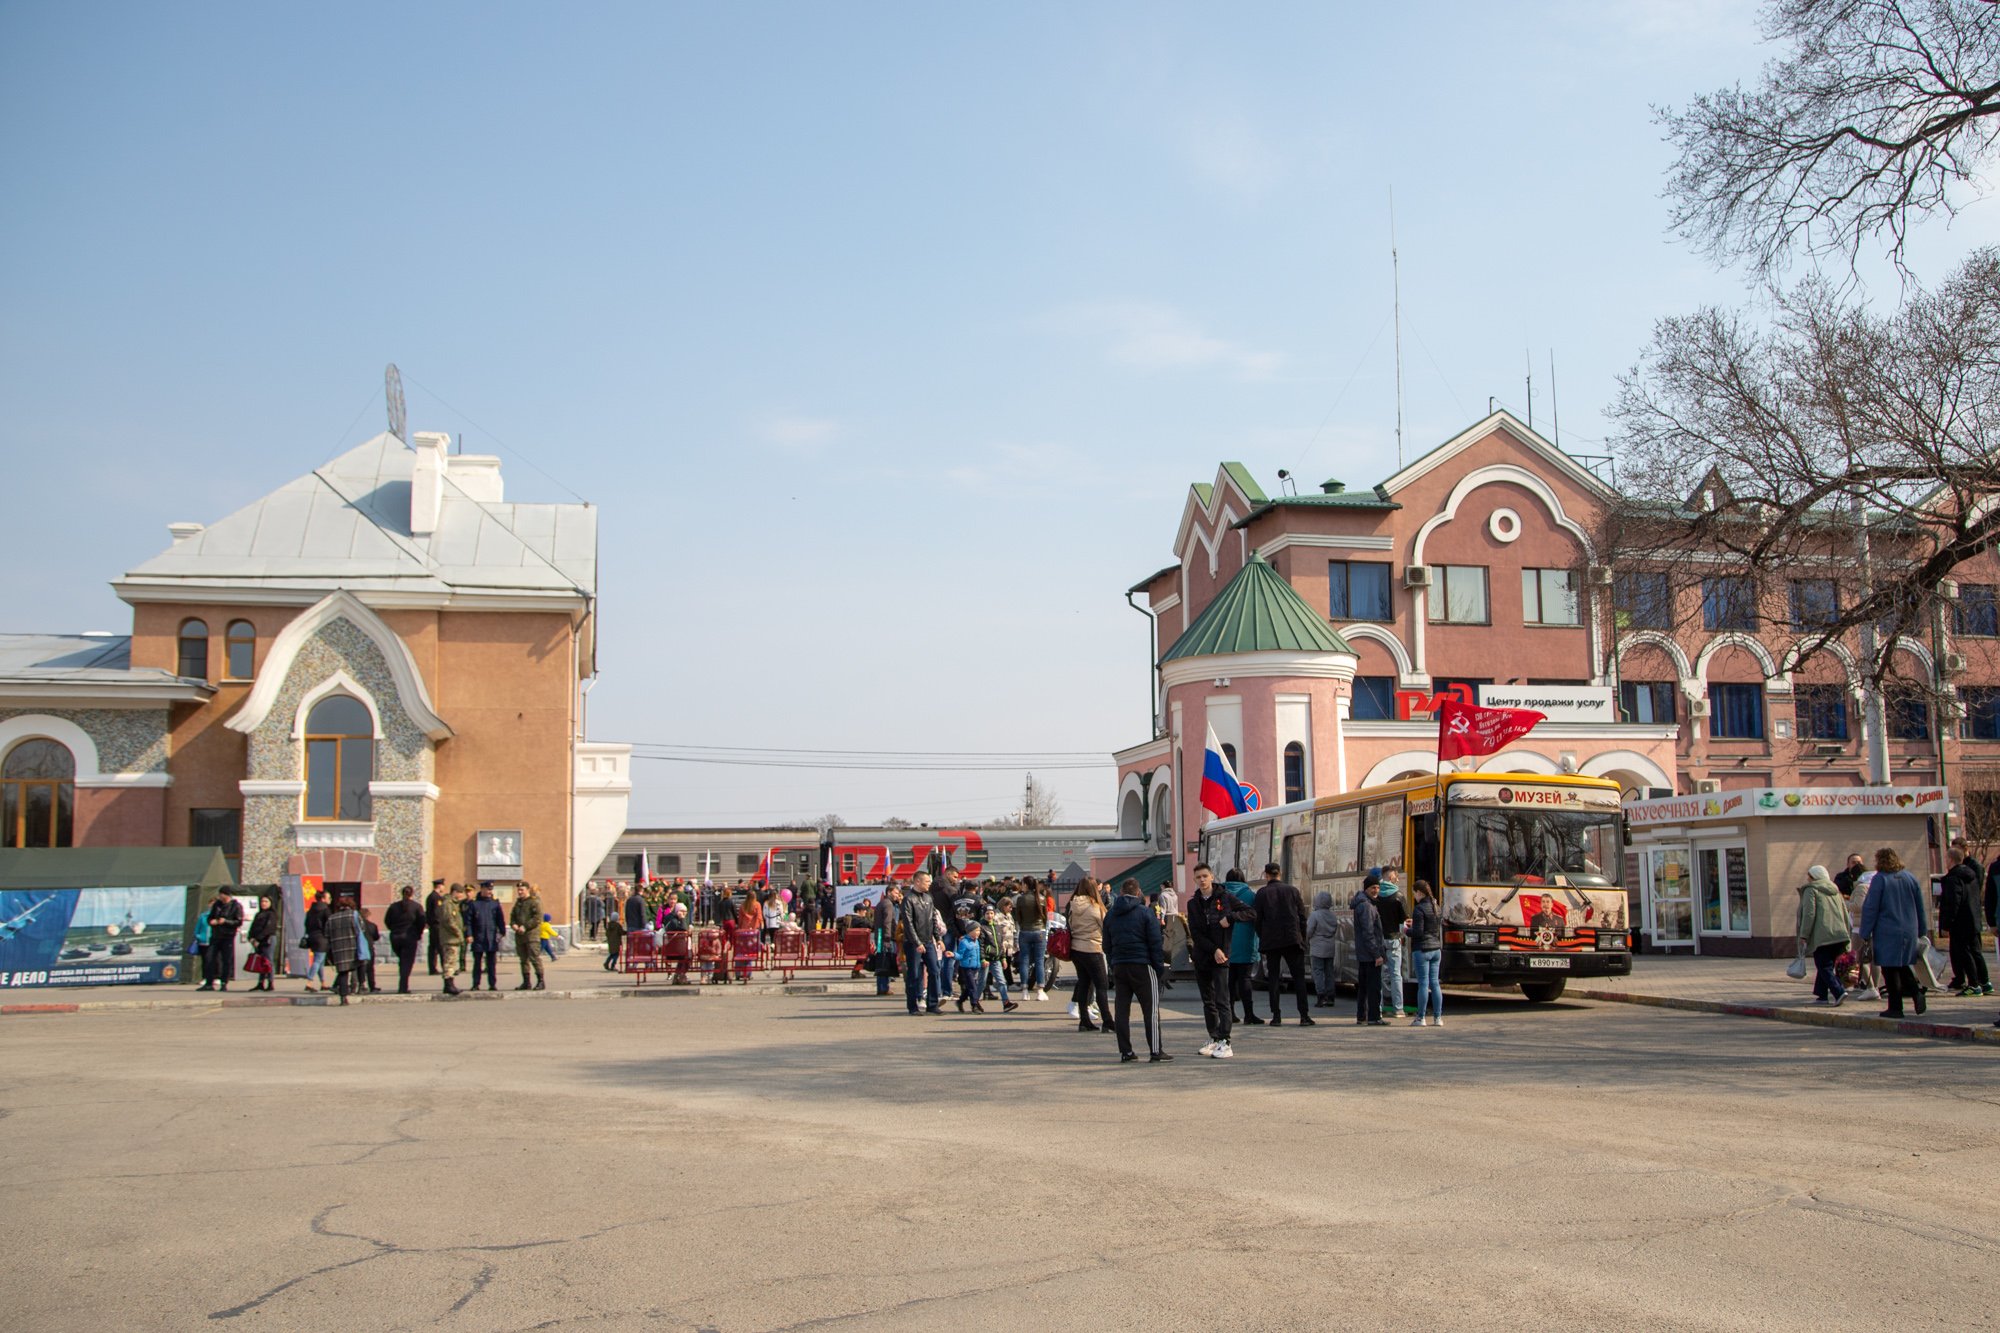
x=463, y=922
x=1870, y=933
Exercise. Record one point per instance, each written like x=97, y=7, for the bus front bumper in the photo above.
x=1505, y=966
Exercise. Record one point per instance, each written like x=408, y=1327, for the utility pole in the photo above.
x=1874, y=717
x=1396, y=307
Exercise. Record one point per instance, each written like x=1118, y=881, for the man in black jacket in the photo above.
x=1281, y=938
x=405, y=923
x=431, y=901
x=1210, y=915
x=1134, y=949
x=1960, y=917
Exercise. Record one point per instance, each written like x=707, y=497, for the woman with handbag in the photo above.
x=1084, y=918
x=263, y=935
x=1822, y=932
x=1893, y=920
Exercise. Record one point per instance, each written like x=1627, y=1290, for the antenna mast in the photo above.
x=1528, y=357
x=1396, y=297
x=1555, y=411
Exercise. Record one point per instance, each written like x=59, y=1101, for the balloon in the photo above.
x=784, y=895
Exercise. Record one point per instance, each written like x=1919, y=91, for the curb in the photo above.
x=1818, y=1018
x=322, y=999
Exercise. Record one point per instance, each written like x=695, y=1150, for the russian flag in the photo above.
x=1220, y=791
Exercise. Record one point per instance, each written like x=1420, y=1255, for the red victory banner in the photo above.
x=1468, y=729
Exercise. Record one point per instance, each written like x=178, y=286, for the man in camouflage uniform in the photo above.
x=526, y=919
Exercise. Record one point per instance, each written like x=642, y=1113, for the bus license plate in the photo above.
x=1548, y=962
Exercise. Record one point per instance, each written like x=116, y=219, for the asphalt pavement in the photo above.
x=787, y=1162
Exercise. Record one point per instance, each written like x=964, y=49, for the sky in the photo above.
x=887, y=337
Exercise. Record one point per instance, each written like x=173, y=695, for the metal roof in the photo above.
x=1257, y=612
x=347, y=524
x=85, y=666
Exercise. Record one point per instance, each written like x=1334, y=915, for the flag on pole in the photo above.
x=1469, y=729
x=1220, y=791
x=645, y=869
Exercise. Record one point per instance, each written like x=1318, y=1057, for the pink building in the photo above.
x=1305, y=629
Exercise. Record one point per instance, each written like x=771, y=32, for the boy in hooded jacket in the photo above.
x=1134, y=947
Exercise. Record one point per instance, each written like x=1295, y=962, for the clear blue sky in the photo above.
x=888, y=337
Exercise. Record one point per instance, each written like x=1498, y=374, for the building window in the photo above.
x=1295, y=772
x=1815, y=603
x=37, y=795
x=747, y=863
x=1648, y=701
x=1908, y=713
x=1728, y=601
x=340, y=759
x=667, y=863
x=1458, y=595
x=1641, y=600
x=193, y=661
x=1977, y=615
x=221, y=828
x=239, y=650
x=1736, y=712
x=1982, y=712
x=1229, y=753
x=709, y=863
x=1548, y=597
x=1822, y=711
x=1358, y=590
x=1374, y=699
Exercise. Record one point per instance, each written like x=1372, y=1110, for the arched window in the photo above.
x=194, y=650
x=1163, y=819
x=239, y=644
x=340, y=759
x=37, y=795
x=1229, y=753
x=1295, y=772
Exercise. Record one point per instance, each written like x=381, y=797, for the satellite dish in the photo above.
x=392, y=386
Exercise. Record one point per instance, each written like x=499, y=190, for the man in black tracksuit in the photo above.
x=1281, y=938
x=1134, y=948
x=1211, y=914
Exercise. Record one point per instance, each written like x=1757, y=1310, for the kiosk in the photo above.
x=1718, y=872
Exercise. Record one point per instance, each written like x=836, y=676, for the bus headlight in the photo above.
x=1611, y=939
x=1481, y=939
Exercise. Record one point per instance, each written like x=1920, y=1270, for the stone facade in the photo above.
x=129, y=740
x=398, y=849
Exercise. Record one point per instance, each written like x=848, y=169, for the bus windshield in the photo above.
x=1531, y=846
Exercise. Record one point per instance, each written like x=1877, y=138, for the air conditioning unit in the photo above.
x=1829, y=747
x=1698, y=708
x=1707, y=786
x=1416, y=576
x=1602, y=576
x=1954, y=664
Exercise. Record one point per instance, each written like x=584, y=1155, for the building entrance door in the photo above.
x=1722, y=890
x=1669, y=898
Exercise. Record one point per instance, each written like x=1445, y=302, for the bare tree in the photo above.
x=1833, y=450
x=1878, y=112
x=827, y=823
x=1039, y=808
x=897, y=821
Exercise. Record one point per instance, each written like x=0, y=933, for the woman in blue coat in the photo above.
x=1894, y=920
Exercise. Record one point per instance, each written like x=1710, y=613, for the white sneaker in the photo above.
x=1093, y=1015
x=1438, y=1022
x=1417, y=1022
x=1209, y=1049
x=1072, y=1009
x=1222, y=1051
x=1041, y=994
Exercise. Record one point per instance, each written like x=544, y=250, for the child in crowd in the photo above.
x=971, y=976
x=547, y=935
x=992, y=945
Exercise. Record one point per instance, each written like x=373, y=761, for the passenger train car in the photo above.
x=782, y=856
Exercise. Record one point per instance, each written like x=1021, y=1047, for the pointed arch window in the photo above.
x=192, y=660
x=340, y=759
x=37, y=794
x=239, y=650
x=1295, y=772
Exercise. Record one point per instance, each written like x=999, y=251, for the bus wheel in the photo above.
x=1541, y=992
